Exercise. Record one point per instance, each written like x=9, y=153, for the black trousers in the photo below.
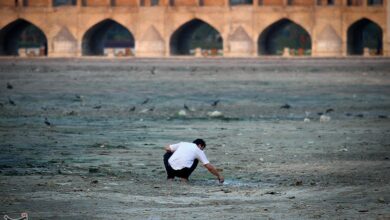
x=183, y=173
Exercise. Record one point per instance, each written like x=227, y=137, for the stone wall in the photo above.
x=121, y=3
x=9, y=3
x=39, y=3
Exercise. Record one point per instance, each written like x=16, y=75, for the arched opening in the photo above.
x=240, y=2
x=108, y=38
x=374, y=2
x=57, y=3
x=364, y=34
x=22, y=38
x=196, y=34
x=284, y=34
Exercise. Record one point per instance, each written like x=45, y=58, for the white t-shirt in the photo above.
x=184, y=155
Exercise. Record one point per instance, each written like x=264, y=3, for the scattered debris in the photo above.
x=226, y=190
x=381, y=200
x=145, y=110
x=77, y=190
x=182, y=113
x=215, y=114
x=78, y=98
x=93, y=170
x=71, y=113
x=107, y=146
x=94, y=182
x=324, y=118
x=298, y=183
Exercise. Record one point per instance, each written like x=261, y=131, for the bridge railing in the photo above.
x=143, y=3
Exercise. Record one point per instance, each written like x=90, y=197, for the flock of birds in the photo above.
x=324, y=117
x=12, y=102
x=80, y=98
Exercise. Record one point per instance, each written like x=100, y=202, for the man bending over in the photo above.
x=182, y=158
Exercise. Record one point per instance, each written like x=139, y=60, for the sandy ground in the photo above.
x=101, y=156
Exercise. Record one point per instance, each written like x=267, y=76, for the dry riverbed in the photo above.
x=99, y=154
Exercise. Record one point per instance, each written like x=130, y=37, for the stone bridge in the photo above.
x=162, y=28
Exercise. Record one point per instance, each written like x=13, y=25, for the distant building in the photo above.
x=162, y=28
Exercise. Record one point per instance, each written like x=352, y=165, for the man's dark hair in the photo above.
x=199, y=142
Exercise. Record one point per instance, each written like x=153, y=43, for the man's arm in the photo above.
x=215, y=172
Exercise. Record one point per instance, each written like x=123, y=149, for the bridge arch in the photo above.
x=107, y=34
x=57, y=3
x=240, y=2
x=364, y=33
x=193, y=34
x=284, y=33
x=22, y=38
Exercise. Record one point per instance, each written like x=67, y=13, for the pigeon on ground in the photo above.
x=145, y=101
x=329, y=110
x=47, y=122
x=153, y=71
x=11, y=102
x=215, y=103
x=285, y=106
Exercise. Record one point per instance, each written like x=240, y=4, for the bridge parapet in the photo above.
x=200, y=3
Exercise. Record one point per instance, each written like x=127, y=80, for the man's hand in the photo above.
x=215, y=172
x=221, y=179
